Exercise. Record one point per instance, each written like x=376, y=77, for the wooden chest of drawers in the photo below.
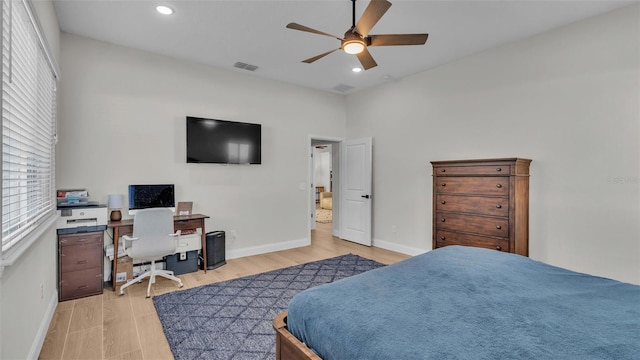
x=80, y=265
x=483, y=203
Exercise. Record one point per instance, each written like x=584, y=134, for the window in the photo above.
x=28, y=125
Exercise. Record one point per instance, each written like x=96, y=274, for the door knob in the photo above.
x=365, y=196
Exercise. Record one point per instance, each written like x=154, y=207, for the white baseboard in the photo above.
x=286, y=245
x=263, y=249
x=404, y=249
x=38, y=341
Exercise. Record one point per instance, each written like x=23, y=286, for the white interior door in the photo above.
x=356, y=182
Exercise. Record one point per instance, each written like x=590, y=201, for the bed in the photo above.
x=461, y=302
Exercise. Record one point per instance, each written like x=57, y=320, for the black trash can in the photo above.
x=215, y=250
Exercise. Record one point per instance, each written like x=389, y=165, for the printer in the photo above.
x=82, y=218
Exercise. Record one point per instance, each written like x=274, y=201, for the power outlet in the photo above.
x=41, y=291
x=232, y=234
x=394, y=229
x=183, y=256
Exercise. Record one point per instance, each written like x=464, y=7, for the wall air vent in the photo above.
x=343, y=87
x=244, y=66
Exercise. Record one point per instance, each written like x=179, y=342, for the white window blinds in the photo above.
x=28, y=126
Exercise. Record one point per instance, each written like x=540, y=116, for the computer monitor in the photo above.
x=151, y=196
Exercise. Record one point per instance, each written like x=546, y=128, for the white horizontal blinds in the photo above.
x=28, y=126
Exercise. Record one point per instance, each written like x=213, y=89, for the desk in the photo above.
x=182, y=222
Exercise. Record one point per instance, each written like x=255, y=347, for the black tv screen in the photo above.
x=151, y=196
x=223, y=142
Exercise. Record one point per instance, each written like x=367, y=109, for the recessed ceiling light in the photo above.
x=356, y=69
x=164, y=10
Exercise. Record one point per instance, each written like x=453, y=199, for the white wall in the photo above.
x=322, y=167
x=568, y=99
x=25, y=307
x=123, y=122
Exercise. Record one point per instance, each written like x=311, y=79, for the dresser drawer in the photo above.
x=445, y=238
x=79, y=239
x=81, y=283
x=473, y=224
x=495, y=206
x=472, y=170
x=79, y=257
x=473, y=185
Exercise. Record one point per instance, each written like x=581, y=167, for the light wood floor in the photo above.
x=109, y=326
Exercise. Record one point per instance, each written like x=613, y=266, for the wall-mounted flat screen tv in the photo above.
x=223, y=142
x=151, y=196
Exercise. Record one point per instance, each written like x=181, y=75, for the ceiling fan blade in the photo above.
x=371, y=15
x=317, y=57
x=296, y=26
x=397, y=39
x=366, y=59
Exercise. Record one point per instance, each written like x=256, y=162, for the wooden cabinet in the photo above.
x=483, y=203
x=80, y=265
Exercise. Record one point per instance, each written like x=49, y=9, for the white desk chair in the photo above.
x=153, y=238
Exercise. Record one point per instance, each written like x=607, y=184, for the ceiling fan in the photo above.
x=357, y=39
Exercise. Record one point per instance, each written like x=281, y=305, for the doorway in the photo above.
x=351, y=188
x=323, y=183
x=324, y=178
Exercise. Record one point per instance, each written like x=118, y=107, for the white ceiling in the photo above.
x=221, y=33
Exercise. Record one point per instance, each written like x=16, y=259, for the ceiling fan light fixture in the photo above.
x=353, y=46
x=164, y=10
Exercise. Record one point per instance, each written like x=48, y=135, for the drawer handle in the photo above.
x=443, y=202
x=82, y=287
x=443, y=170
x=498, y=227
x=443, y=184
x=498, y=247
x=499, y=169
x=82, y=262
x=442, y=237
x=499, y=186
x=499, y=206
x=442, y=220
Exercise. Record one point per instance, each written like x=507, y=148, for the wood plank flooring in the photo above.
x=126, y=327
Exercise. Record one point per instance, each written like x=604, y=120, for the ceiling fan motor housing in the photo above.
x=353, y=42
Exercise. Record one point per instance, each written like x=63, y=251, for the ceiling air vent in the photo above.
x=342, y=87
x=249, y=67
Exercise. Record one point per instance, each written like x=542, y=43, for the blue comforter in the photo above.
x=469, y=303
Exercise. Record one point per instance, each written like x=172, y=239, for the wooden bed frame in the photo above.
x=288, y=347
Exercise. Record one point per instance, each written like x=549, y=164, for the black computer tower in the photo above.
x=215, y=250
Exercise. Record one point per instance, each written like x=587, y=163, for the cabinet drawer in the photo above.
x=473, y=224
x=473, y=185
x=79, y=257
x=79, y=239
x=472, y=170
x=496, y=206
x=81, y=283
x=445, y=238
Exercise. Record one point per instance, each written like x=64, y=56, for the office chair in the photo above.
x=153, y=238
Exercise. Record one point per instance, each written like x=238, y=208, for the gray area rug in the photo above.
x=232, y=319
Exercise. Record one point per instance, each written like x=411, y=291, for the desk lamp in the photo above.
x=115, y=204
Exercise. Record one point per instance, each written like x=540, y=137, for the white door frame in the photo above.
x=336, y=182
